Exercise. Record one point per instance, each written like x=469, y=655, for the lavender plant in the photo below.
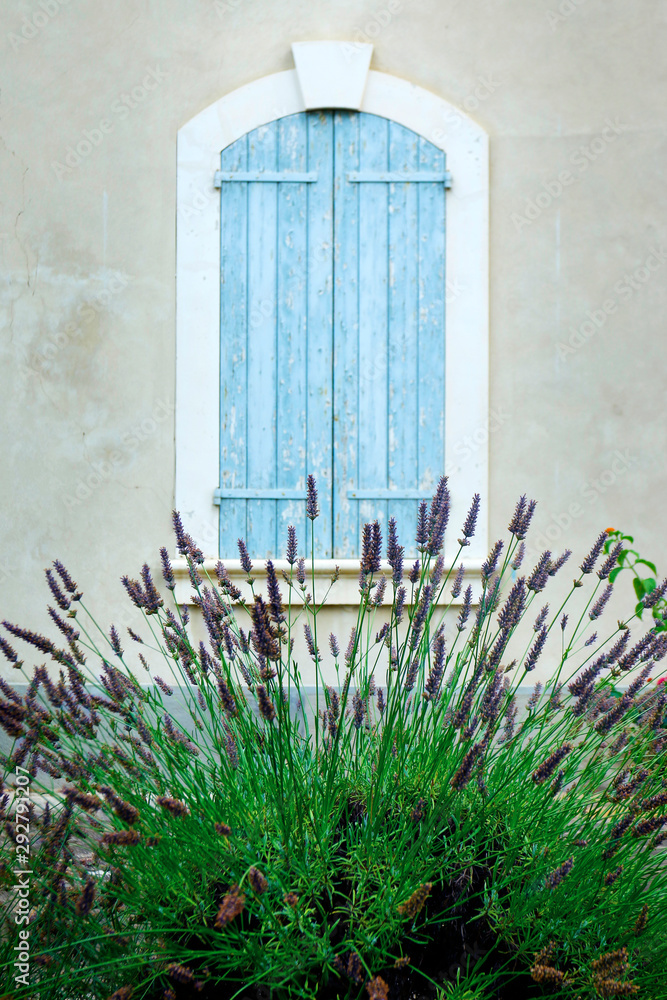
x=418, y=833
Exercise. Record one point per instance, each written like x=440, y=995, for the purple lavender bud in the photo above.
x=556, y=877
x=434, y=679
x=358, y=706
x=436, y=575
x=266, y=709
x=539, y=578
x=114, y=639
x=333, y=646
x=535, y=650
x=163, y=686
x=515, y=524
x=650, y=600
x=167, y=571
x=419, y=616
x=465, y=609
x=179, y=531
x=378, y=597
x=10, y=653
x=263, y=637
x=380, y=701
x=591, y=639
x=458, y=582
x=563, y=622
x=610, y=561
x=587, y=676
x=134, y=591
x=526, y=519
x=400, y=604
x=541, y=618
x=560, y=562
x=464, y=773
x=312, y=508
x=547, y=767
x=301, y=571
x=468, y=529
x=414, y=572
x=310, y=643
x=394, y=553
x=70, y=633
x=589, y=562
x=518, y=558
x=599, y=605
x=490, y=564
x=349, y=652
x=422, y=526
x=245, y=558
x=40, y=642
x=513, y=608
x=67, y=580
x=291, y=552
x=275, y=597
x=63, y=602
x=438, y=517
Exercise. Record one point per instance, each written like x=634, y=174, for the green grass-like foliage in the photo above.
x=411, y=836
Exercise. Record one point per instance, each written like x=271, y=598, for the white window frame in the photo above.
x=333, y=75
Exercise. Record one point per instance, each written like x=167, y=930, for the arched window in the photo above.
x=350, y=335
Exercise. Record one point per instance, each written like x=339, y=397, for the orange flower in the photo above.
x=610, y=531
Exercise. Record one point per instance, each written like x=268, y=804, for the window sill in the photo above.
x=345, y=592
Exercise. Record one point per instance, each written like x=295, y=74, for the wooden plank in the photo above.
x=346, y=334
x=233, y=347
x=292, y=327
x=403, y=333
x=262, y=309
x=431, y=380
x=397, y=176
x=373, y=318
x=268, y=176
x=320, y=374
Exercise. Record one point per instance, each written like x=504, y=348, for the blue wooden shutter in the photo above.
x=332, y=328
x=276, y=332
x=389, y=325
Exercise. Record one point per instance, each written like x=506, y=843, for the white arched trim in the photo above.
x=200, y=142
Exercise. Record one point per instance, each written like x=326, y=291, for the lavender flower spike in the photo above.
x=246, y=563
x=490, y=565
x=312, y=507
x=438, y=517
x=599, y=605
x=291, y=553
x=470, y=522
x=458, y=582
x=515, y=524
x=590, y=560
x=535, y=650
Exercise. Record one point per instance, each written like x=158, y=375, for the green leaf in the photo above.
x=639, y=609
x=614, y=573
x=627, y=538
x=645, y=562
x=639, y=587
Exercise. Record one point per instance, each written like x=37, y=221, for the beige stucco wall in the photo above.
x=88, y=254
